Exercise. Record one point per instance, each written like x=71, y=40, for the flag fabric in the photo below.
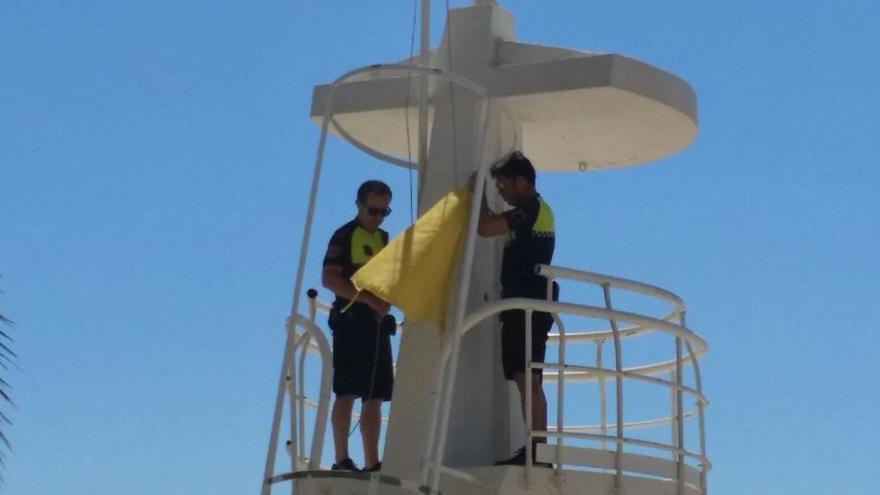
x=416, y=269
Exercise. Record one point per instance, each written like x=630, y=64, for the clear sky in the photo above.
x=154, y=160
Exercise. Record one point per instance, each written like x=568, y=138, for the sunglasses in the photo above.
x=384, y=212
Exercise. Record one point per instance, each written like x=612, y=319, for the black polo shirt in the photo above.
x=350, y=247
x=531, y=241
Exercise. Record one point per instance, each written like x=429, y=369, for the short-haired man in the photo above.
x=362, y=366
x=531, y=238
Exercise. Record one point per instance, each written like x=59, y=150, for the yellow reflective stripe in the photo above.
x=365, y=245
x=544, y=225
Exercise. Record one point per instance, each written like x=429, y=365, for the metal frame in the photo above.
x=690, y=342
x=288, y=374
x=695, y=345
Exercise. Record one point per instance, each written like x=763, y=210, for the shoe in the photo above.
x=518, y=459
x=374, y=468
x=345, y=465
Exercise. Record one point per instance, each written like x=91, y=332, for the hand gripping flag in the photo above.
x=416, y=270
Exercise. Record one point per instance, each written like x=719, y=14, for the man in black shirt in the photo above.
x=531, y=238
x=362, y=363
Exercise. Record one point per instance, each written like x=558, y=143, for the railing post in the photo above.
x=292, y=393
x=673, y=414
x=560, y=383
x=323, y=409
x=301, y=396
x=312, y=295
x=528, y=392
x=300, y=272
x=603, y=396
x=698, y=384
x=618, y=366
x=679, y=417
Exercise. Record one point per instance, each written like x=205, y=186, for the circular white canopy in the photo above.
x=589, y=111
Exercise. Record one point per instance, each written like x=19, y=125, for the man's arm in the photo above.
x=490, y=224
x=332, y=279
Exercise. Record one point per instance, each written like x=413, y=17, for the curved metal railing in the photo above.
x=310, y=338
x=672, y=324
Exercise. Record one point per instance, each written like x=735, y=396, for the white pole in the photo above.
x=302, y=396
x=313, y=312
x=528, y=393
x=294, y=306
x=679, y=419
x=560, y=384
x=467, y=257
x=424, y=61
x=292, y=395
x=618, y=365
x=698, y=385
x=603, y=396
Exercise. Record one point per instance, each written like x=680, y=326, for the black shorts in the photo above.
x=513, y=341
x=513, y=330
x=362, y=364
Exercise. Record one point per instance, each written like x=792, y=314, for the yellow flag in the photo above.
x=415, y=271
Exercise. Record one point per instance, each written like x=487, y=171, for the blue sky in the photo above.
x=154, y=159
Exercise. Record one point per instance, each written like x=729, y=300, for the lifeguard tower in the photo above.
x=467, y=103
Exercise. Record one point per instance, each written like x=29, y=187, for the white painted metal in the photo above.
x=632, y=463
x=626, y=459
x=560, y=384
x=584, y=310
x=624, y=374
x=326, y=382
x=603, y=399
x=649, y=369
x=679, y=418
x=528, y=393
x=629, y=425
x=297, y=293
x=618, y=365
x=617, y=282
x=606, y=110
x=701, y=406
x=301, y=388
x=424, y=61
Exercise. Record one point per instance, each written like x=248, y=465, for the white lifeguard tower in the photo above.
x=476, y=97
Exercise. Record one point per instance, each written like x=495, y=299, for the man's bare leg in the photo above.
x=539, y=402
x=371, y=425
x=341, y=419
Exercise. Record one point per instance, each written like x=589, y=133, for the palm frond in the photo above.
x=7, y=355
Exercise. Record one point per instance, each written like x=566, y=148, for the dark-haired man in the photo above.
x=531, y=238
x=362, y=366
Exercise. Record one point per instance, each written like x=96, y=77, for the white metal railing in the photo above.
x=672, y=324
x=310, y=338
x=307, y=330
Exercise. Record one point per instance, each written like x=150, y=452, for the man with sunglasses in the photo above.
x=531, y=239
x=362, y=365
